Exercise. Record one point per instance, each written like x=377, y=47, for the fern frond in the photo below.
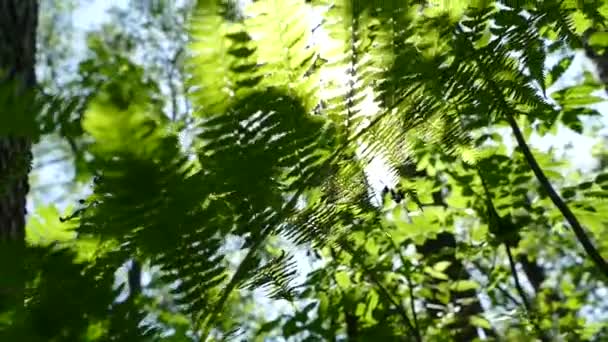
x=277, y=274
x=282, y=32
x=328, y=216
x=271, y=135
x=346, y=75
x=223, y=65
x=148, y=196
x=266, y=127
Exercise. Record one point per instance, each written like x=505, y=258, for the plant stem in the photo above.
x=531, y=314
x=386, y=294
x=410, y=284
x=540, y=175
x=518, y=287
x=557, y=200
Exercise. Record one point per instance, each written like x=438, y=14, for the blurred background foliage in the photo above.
x=313, y=171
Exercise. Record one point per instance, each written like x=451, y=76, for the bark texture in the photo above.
x=18, y=24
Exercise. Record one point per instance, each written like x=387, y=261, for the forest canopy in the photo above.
x=290, y=170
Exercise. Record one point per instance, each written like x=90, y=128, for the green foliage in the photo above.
x=290, y=125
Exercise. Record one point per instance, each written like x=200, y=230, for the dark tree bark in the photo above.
x=134, y=279
x=18, y=24
x=352, y=326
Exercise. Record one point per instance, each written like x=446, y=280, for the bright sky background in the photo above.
x=93, y=12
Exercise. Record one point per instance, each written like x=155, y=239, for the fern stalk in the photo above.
x=410, y=286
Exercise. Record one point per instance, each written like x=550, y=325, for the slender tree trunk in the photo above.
x=18, y=24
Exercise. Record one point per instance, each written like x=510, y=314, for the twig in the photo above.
x=530, y=313
x=134, y=279
x=351, y=324
x=579, y=232
x=557, y=200
x=492, y=212
x=42, y=187
x=53, y=161
x=173, y=92
x=409, y=285
x=520, y=290
x=398, y=306
x=502, y=290
x=384, y=292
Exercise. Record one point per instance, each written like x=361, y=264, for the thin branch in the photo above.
x=557, y=200
x=534, y=272
x=384, y=292
x=520, y=290
x=398, y=306
x=492, y=213
x=412, y=303
x=529, y=311
x=579, y=232
x=43, y=187
x=53, y=161
x=505, y=293
x=409, y=285
x=172, y=89
x=134, y=279
x=351, y=323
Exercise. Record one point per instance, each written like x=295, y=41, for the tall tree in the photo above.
x=18, y=23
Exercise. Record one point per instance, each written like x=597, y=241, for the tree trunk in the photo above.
x=18, y=24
